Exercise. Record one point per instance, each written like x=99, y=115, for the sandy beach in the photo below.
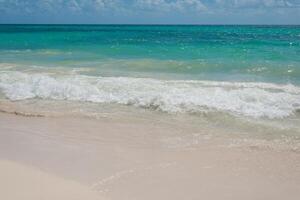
x=150, y=100
x=108, y=158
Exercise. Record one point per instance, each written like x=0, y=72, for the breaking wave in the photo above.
x=252, y=99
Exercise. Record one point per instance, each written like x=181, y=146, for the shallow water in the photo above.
x=228, y=53
x=242, y=73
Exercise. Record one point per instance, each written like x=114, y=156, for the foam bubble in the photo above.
x=237, y=98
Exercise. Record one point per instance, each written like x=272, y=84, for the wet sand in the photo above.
x=107, y=158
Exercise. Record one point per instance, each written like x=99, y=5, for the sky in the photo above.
x=150, y=11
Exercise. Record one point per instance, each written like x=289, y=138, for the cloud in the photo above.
x=75, y=6
x=175, y=5
x=147, y=10
x=235, y=4
x=194, y=4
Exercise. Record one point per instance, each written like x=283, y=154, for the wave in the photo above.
x=252, y=99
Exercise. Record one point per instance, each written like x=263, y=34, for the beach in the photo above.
x=84, y=158
x=125, y=112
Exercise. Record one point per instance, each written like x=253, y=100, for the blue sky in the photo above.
x=151, y=11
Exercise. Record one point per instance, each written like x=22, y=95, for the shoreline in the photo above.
x=116, y=159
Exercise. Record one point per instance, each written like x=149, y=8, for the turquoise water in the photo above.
x=266, y=53
x=242, y=70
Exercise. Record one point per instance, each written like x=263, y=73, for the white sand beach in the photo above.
x=108, y=158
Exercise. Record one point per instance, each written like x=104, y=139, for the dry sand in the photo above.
x=80, y=158
x=23, y=182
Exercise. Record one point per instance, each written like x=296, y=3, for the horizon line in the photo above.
x=154, y=24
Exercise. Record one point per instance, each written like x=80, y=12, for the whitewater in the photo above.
x=251, y=99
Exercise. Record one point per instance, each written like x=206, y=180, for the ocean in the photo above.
x=241, y=72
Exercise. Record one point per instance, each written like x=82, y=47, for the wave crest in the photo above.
x=238, y=98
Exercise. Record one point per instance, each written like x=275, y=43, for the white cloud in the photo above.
x=56, y=5
x=177, y=5
x=256, y=3
x=105, y=4
x=73, y=5
x=134, y=6
x=195, y=4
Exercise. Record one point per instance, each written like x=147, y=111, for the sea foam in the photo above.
x=174, y=96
